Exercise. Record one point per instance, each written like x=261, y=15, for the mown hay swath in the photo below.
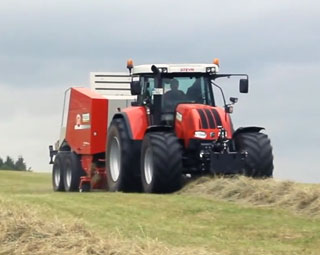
x=298, y=198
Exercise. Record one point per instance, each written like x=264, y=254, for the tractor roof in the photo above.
x=177, y=68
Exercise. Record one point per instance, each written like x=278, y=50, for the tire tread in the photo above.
x=167, y=161
x=259, y=162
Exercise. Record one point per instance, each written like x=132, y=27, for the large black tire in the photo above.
x=57, y=173
x=259, y=161
x=72, y=171
x=122, y=166
x=161, y=163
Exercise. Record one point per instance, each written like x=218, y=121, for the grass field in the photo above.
x=198, y=220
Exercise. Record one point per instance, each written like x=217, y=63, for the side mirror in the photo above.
x=135, y=88
x=244, y=86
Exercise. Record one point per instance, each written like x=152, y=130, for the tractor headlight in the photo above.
x=200, y=134
x=163, y=69
x=211, y=69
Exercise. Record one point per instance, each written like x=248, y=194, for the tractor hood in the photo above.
x=197, y=121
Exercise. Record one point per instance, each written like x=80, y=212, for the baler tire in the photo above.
x=57, y=173
x=161, y=163
x=72, y=171
x=259, y=161
x=120, y=154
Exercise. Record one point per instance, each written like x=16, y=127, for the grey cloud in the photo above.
x=30, y=121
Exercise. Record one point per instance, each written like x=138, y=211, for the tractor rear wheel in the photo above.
x=72, y=171
x=259, y=161
x=57, y=173
x=161, y=163
x=121, y=164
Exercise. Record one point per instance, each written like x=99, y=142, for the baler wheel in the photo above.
x=161, y=163
x=259, y=162
x=120, y=161
x=57, y=173
x=72, y=171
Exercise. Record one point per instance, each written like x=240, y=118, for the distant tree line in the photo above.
x=10, y=164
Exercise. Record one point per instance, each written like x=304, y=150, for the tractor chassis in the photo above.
x=222, y=162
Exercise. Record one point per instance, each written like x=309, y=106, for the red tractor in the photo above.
x=172, y=130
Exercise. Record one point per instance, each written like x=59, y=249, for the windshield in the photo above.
x=185, y=89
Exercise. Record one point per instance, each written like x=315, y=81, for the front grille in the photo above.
x=210, y=118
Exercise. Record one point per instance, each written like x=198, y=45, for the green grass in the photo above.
x=176, y=219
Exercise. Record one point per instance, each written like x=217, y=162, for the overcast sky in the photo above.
x=48, y=46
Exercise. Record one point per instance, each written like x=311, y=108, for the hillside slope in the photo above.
x=35, y=220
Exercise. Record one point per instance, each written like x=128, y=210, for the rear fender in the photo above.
x=136, y=121
x=124, y=116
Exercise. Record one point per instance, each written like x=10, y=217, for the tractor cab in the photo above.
x=162, y=96
x=161, y=88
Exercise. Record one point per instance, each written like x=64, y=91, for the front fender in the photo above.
x=242, y=130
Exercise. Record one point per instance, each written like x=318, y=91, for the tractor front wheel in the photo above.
x=259, y=161
x=161, y=163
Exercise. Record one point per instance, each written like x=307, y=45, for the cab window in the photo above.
x=188, y=89
x=147, y=84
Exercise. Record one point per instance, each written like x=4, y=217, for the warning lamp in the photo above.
x=216, y=61
x=130, y=64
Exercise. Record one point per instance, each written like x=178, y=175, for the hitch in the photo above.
x=221, y=145
x=52, y=153
x=224, y=161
